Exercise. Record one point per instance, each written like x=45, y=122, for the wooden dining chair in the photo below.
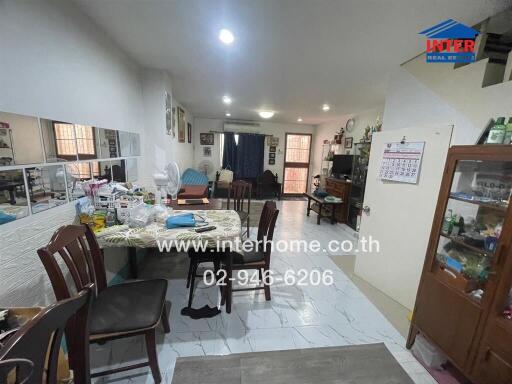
x=21, y=369
x=119, y=311
x=239, y=194
x=258, y=258
x=33, y=350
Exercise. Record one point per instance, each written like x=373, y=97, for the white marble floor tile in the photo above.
x=296, y=317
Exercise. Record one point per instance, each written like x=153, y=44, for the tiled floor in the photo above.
x=297, y=317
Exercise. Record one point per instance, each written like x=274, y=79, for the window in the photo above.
x=79, y=171
x=74, y=139
x=296, y=164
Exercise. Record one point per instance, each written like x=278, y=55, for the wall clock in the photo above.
x=350, y=125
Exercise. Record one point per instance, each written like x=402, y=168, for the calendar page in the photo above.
x=402, y=162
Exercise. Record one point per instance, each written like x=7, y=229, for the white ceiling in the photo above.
x=290, y=56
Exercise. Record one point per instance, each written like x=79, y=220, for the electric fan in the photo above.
x=206, y=167
x=167, y=182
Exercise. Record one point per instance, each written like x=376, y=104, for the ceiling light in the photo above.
x=266, y=114
x=228, y=114
x=325, y=107
x=299, y=119
x=226, y=36
x=226, y=99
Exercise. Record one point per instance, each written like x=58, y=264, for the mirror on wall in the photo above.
x=119, y=171
x=13, y=196
x=86, y=142
x=131, y=170
x=102, y=170
x=68, y=142
x=46, y=187
x=75, y=174
x=20, y=141
x=129, y=143
x=59, y=141
x=108, y=143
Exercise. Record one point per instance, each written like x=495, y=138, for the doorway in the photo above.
x=297, y=156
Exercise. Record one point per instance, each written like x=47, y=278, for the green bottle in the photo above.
x=448, y=223
x=497, y=133
x=508, y=132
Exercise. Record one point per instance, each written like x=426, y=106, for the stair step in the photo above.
x=502, y=48
x=496, y=60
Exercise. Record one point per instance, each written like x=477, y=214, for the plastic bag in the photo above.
x=159, y=213
x=140, y=216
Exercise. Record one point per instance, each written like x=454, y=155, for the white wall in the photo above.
x=461, y=91
x=327, y=131
x=411, y=103
x=56, y=64
x=267, y=128
x=160, y=148
x=422, y=94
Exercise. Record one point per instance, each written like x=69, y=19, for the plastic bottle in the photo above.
x=508, y=133
x=110, y=219
x=497, y=133
x=448, y=223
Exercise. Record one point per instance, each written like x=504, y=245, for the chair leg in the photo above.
x=190, y=266
x=152, y=355
x=192, y=282
x=266, y=287
x=248, y=228
x=165, y=319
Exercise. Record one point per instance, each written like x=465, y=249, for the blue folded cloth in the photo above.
x=184, y=220
x=5, y=218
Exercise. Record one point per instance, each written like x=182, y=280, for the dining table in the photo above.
x=227, y=230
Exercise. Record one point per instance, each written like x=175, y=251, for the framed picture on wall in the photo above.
x=169, y=115
x=272, y=148
x=206, y=138
x=348, y=142
x=271, y=161
x=181, y=124
x=207, y=151
x=272, y=155
x=189, y=132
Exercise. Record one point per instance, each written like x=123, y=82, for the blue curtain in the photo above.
x=229, y=155
x=249, y=155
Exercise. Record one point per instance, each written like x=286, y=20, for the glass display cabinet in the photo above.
x=466, y=278
x=359, y=172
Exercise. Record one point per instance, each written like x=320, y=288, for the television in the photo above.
x=342, y=166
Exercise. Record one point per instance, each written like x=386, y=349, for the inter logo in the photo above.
x=450, y=42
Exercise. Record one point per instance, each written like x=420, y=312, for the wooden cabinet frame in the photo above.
x=448, y=317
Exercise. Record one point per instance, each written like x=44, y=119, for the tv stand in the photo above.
x=339, y=188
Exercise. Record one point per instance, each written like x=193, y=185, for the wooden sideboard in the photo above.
x=339, y=188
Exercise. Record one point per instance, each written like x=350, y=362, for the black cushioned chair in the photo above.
x=239, y=199
x=258, y=258
x=120, y=311
x=267, y=185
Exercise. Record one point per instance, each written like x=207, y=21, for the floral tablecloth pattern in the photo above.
x=227, y=222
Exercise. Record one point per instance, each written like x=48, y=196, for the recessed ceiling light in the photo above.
x=228, y=114
x=226, y=36
x=266, y=114
x=325, y=107
x=299, y=119
x=226, y=99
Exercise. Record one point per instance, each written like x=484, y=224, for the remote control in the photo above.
x=205, y=229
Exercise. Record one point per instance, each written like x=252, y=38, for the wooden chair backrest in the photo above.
x=267, y=225
x=76, y=245
x=39, y=340
x=240, y=191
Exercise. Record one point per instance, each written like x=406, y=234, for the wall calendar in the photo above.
x=401, y=162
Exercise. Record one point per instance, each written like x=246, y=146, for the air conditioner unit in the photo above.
x=241, y=126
